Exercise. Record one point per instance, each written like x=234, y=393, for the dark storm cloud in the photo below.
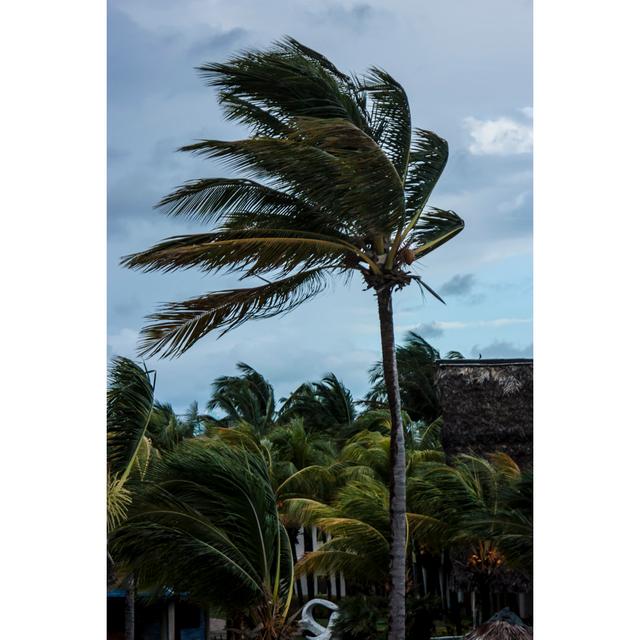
x=429, y=330
x=459, y=285
x=353, y=17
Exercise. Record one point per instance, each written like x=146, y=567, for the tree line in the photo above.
x=211, y=503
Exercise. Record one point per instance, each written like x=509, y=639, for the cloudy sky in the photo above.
x=467, y=68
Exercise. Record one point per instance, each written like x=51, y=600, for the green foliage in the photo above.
x=334, y=182
x=362, y=617
x=325, y=406
x=206, y=522
x=129, y=450
x=244, y=399
x=416, y=369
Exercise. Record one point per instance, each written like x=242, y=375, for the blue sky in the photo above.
x=467, y=68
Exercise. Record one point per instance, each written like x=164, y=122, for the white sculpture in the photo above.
x=308, y=622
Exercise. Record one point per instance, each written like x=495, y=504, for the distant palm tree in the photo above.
x=416, y=370
x=326, y=406
x=244, y=399
x=482, y=507
x=345, y=183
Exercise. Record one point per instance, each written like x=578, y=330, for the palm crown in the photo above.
x=336, y=182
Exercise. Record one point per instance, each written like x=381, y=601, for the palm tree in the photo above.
x=244, y=399
x=336, y=183
x=326, y=406
x=129, y=453
x=206, y=522
x=357, y=524
x=416, y=370
x=481, y=507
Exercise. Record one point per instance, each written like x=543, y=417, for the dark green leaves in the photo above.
x=428, y=158
x=434, y=229
x=178, y=325
x=285, y=82
x=208, y=525
x=390, y=117
x=129, y=407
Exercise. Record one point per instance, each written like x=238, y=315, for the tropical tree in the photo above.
x=129, y=454
x=416, y=371
x=326, y=406
x=481, y=507
x=336, y=184
x=357, y=526
x=205, y=521
x=245, y=399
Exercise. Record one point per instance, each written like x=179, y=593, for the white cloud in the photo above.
x=528, y=111
x=502, y=137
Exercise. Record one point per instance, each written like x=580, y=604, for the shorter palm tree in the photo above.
x=244, y=399
x=416, y=370
x=326, y=406
x=479, y=508
x=205, y=521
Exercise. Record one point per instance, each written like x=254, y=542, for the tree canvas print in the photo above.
x=319, y=403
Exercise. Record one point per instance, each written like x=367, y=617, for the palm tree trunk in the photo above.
x=130, y=609
x=397, y=479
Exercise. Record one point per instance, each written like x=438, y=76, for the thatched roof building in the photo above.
x=504, y=625
x=487, y=406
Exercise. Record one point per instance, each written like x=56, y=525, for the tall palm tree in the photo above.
x=336, y=183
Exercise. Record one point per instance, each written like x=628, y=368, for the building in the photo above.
x=487, y=406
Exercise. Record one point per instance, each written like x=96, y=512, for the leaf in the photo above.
x=434, y=229
x=179, y=325
x=428, y=158
x=391, y=117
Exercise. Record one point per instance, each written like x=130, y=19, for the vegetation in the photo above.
x=335, y=183
x=214, y=504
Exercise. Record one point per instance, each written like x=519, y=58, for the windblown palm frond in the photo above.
x=357, y=528
x=179, y=325
x=129, y=451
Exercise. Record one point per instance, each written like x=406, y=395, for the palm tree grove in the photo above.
x=321, y=514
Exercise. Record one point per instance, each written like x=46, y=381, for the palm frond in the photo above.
x=287, y=81
x=208, y=200
x=208, y=525
x=434, y=229
x=179, y=325
x=427, y=160
x=129, y=409
x=391, y=117
x=251, y=251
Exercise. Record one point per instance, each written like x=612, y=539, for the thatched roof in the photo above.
x=487, y=406
x=505, y=625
